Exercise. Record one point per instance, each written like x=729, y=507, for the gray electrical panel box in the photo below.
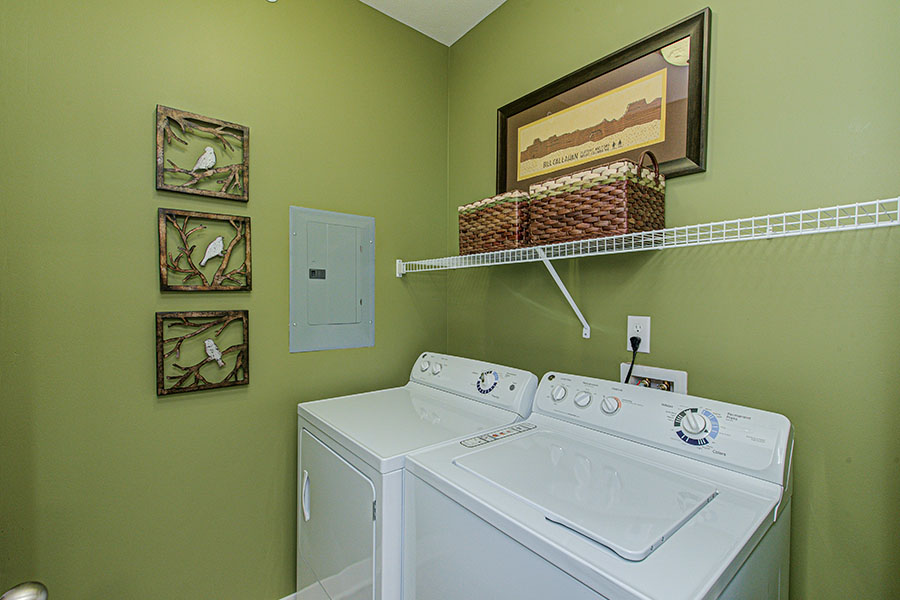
x=332, y=280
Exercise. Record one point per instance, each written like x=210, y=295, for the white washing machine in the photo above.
x=606, y=491
x=351, y=453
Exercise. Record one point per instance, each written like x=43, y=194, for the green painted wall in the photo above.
x=107, y=491
x=803, y=113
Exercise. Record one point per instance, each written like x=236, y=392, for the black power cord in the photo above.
x=635, y=344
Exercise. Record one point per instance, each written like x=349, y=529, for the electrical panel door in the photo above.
x=332, y=280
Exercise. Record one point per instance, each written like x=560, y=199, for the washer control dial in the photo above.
x=424, y=366
x=558, y=393
x=436, y=368
x=697, y=427
x=583, y=399
x=610, y=405
x=693, y=423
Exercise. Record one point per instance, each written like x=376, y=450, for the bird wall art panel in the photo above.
x=201, y=155
x=201, y=252
x=201, y=350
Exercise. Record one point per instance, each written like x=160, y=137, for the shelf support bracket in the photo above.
x=586, y=329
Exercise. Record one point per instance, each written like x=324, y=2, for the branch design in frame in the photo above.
x=222, y=239
x=193, y=154
x=201, y=350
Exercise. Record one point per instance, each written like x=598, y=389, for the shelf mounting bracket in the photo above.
x=586, y=329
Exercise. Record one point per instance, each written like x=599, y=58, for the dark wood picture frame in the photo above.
x=223, y=136
x=695, y=27
x=223, y=279
x=210, y=323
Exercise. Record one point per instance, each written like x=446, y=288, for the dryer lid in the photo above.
x=628, y=505
x=381, y=427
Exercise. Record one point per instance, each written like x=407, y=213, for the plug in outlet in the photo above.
x=640, y=327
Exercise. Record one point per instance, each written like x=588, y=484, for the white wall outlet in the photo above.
x=640, y=327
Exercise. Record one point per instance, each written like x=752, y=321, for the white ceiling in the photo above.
x=443, y=20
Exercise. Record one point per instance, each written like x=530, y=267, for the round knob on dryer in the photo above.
x=610, y=405
x=583, y=399
x=436, y=368
x=693, y=423
x=558, y=393
x=424, y=366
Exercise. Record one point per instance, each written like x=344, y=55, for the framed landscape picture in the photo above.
x=651, y=95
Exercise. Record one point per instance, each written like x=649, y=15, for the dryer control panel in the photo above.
x=498, y=385
x=740, y=438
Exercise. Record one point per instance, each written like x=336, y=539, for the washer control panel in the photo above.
x=506, y=387
x=745, y=439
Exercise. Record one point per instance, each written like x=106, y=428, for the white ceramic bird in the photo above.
x=213, y=352
x=215, y=248
x=206, y=161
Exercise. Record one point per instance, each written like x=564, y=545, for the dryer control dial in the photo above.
x=558, y=393
x=610, y=405
x=583, y=399
x=487, y=381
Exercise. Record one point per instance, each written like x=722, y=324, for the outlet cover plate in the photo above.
x=639, y=326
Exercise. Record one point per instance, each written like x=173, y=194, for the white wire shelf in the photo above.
x=862, y=215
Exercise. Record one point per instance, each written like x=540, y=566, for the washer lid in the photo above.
x=628, y=505
x=381, y=427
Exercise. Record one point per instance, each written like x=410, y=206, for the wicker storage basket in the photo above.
x=621, y=197
x=497, y=223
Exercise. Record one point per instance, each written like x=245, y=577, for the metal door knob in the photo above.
x=30, y=590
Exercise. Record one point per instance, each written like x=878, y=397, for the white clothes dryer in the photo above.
x=351, y=452
x=606, y=491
